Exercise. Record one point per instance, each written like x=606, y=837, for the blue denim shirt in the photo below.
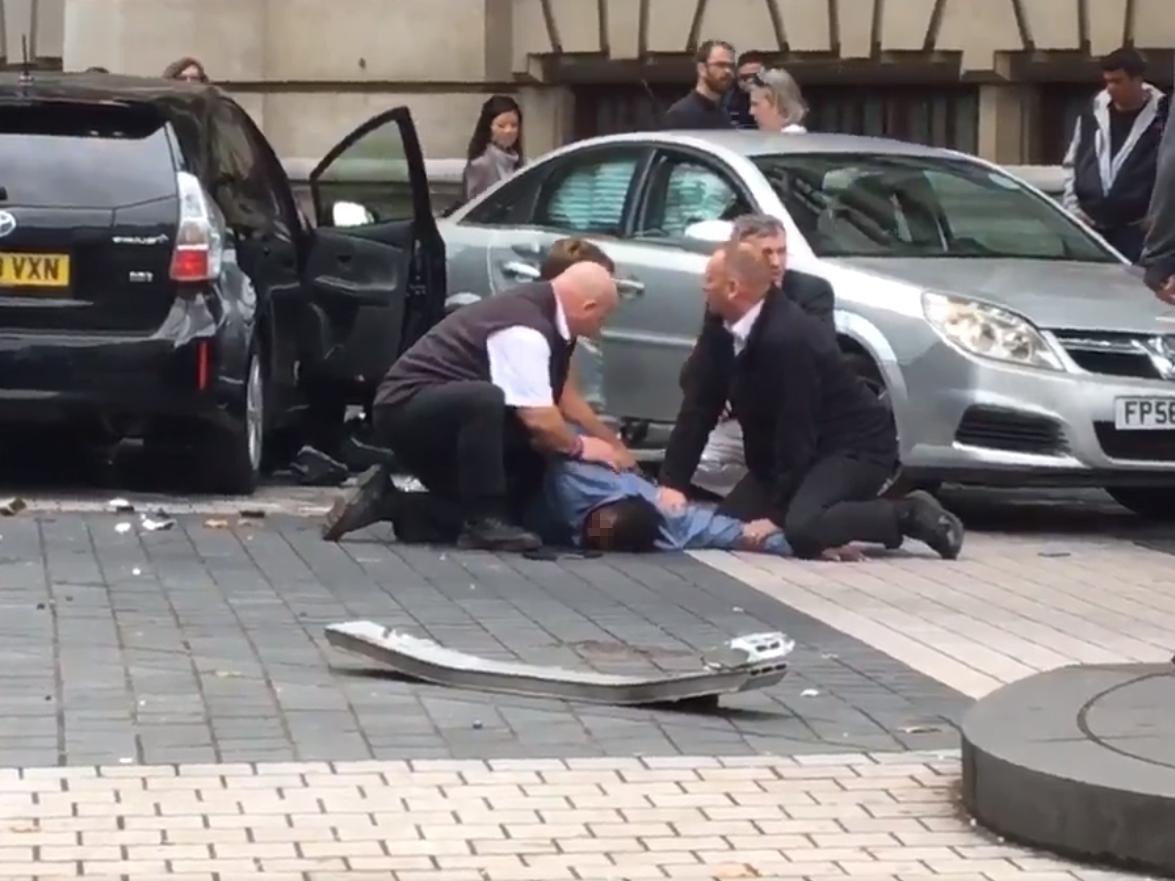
x=572, y=490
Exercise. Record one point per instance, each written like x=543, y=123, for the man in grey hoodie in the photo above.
x=1158, y=256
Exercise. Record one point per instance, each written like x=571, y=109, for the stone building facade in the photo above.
x=1002, y=78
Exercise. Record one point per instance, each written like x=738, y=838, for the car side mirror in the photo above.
x=460, y=301
x=710, y=231
x=344, y=214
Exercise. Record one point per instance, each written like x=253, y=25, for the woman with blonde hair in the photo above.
x=777, y=103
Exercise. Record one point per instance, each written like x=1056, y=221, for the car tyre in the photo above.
x=234, y=455
x=1150, y=503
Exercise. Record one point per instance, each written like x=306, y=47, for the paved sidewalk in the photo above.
x=836, y=816
x=178, y=713
x=204, y=645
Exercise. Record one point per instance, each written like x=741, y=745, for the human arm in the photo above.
x=1069, y=198
x=1158, y=254
x=478, y=177
x=519, y=362
x=815, y=296
x=577, y=410
x=705, y=382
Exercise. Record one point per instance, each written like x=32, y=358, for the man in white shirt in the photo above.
x=473, y=407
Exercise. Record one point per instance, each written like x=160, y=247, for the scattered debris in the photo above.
x=122, y=528
x=477, y=725
x=810, y=692
x=742, y=664
x=1054, y=554
x=738, y=610
x=252, y=513
x=40, y=607
x=551, y=554
x=921, y=729
x=12, y=506
x=228, y=674
x=313, y=467
x=136, y=571
x=126, y=760
x=214, y=523
x=120, y=506
x=152, y=524
x=830, y=656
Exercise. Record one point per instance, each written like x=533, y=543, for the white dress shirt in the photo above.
x=520, y=362
x=741, y=329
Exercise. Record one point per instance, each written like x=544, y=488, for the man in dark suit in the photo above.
x=819, y=445
x=768, y=236
x=722, y=464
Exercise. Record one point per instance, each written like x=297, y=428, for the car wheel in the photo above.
x=1152, y=503
x=234, y=454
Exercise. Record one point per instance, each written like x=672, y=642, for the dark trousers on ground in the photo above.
x=836, y=503
x=469, y=450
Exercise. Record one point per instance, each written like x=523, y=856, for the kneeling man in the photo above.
x=819, y=445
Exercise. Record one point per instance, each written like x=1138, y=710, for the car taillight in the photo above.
x=199, y=242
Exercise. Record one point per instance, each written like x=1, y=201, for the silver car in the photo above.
x=1013, y=344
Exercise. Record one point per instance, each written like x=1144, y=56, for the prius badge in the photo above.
x=7, y=223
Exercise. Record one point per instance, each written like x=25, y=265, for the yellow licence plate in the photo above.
x=34, y=270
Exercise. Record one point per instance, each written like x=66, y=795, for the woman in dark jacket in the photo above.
x=495, y=150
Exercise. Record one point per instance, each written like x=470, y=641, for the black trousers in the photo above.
x=1127, y=239
x=836, y=503
x=469, y=450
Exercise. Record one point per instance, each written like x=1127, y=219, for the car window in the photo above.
x=684, y=191
x=588, y=195
x=267, y=179
x=509, y=205
x=902, y=206
x=84, y=156
x=240, y=184
x=367, y=182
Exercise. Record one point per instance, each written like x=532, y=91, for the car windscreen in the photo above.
x=60, y=154
x=912, y=206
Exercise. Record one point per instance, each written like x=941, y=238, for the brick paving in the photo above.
x=170, y=708
x=851, y=816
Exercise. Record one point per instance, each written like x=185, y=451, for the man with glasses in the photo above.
x=738, y=100
x=702, y=108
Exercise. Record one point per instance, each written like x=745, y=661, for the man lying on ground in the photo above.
x=587, y=505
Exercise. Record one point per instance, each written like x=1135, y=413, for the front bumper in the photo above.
x=1059, y=426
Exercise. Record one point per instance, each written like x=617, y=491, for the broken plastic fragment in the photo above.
x=216, y=524
x=120, y=506
x=122, y=528
x=152, y=525
x=12, y=506
x=252, y=514
x=920, y=729
x=136, y=571
x=810, y=692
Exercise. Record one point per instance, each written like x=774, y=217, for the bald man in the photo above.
x=819, y=446
x=473, y=407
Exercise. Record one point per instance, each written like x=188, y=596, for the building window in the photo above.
x=940, y=116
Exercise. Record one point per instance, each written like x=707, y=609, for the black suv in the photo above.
x=158, y=280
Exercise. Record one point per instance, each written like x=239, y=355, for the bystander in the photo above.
x=1111, y=163
x=738, y=99
x=702, y=107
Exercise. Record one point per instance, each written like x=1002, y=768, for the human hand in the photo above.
x=624, y=457
x=602, y=453
x=1166, y=292
x=671, y=500
x=756, y=533
x=843, y=554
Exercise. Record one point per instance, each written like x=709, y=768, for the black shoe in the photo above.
x=372, y=500
x=313, y=467
x=495, y=534
x=927, y=521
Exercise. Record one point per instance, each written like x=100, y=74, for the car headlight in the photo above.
x=989, y=331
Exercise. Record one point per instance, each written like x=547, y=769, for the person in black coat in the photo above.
x=819, y=445
x=723, y=464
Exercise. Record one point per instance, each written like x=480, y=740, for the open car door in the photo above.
x=375, y=266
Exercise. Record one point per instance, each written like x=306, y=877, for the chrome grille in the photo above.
x=1120, y=354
